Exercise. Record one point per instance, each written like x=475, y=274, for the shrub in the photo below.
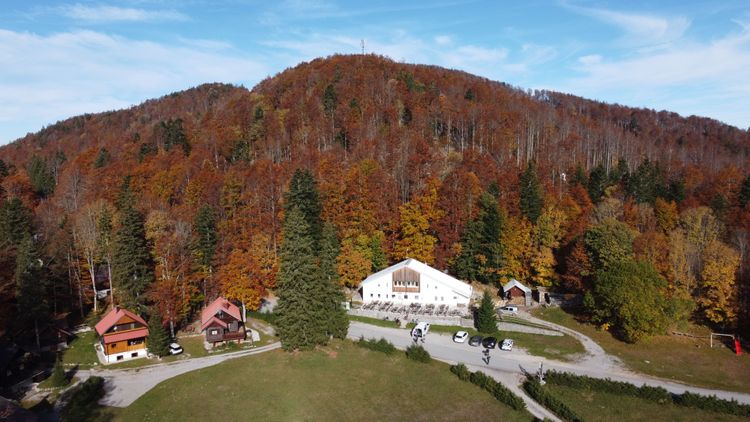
x=83, y=400
x=381, y=345
x=418, y=353
x=538, y=393
x=712, y=403
x=480, y=379
x=58, y=379
x=461, y=371
x=504, y=395
x=655, y=394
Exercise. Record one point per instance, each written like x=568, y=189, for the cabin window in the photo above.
x=120, y=357
x=134, y=342
x=113, y=345
x=213, y=332
x=134, y=355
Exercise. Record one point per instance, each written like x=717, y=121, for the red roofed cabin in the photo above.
x=222, y=321
x=122, y=335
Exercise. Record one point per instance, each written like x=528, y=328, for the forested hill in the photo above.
x=394, y=147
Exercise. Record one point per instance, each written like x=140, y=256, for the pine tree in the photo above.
x=481, y=253
x=467, y=264
x=532, y=199
x=158, y=339
x=303, y=195
x=58, y=379
x=744, y=195
x=598, y=182
x=102, y=159
x=379, y=260
x=15, y=222
x=133, y=266
x=204, y=242
x=31, y=285
x=329, y=251
x=486, y=321
x=300, y=322
x=41, y=177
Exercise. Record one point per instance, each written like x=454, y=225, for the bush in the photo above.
x=418, y=353
x=543, y=397
x=712, y=403
x=381, y=345
x=58, y=379
x=461, y=371
x=83, y=400
x=504, y=395
x=655, y=394
x=480, y=379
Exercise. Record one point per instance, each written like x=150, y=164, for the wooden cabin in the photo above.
x=516, y=293
x=222, y=321
x=122, y=335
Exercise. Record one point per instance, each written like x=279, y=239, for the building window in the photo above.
x=113, y=346
x=134, y=355
x=371, y=295
x=134, y=342
x=416, y=297
x=393, y=296
x=378, y=295
x=213, y=332
x=455, y=297
x=120, y=357
x=442, y=299
x=406, y=296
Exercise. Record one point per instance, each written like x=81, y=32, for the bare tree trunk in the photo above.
x=92, y=273
x=36, y=332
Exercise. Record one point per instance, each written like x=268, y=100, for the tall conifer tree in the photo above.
x=133, y=265
x=532, y=199
x=31, y=285
x=303, y=195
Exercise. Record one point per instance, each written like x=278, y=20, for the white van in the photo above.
x=511, y=309
x=420, y=330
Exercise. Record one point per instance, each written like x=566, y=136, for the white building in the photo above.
x=411, y=281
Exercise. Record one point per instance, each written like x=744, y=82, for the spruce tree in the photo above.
x=133, y=266
x=15, y=222
x=158, y=339
x=466, y=266
x=31, y=285
x=303, y=195
x=3, y=169
x=379, y=261
x=597, y=183
x=486, y=321
x=329, y=251
x=41, y=177
x=58, y=379
x=744, y=195
x=206, y=238
x=532, y=199
x=300, y=321
x=491, y=229
x=102, y=159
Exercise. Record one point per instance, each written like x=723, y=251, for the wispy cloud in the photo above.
x=639, y=28
x=44, y=78
x=108, y=14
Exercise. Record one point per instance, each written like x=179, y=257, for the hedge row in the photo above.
x=543, y=397
x=712, y=403
x=656, y=394
x=381, y=345
x=418, y=353
x=497, y=389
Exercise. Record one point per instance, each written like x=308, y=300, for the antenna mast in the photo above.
x=363, y=47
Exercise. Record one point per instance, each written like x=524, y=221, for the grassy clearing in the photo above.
x=597, y=406
x=672, y=357
x=81, y=351
x=338, y=382
x=374, y=321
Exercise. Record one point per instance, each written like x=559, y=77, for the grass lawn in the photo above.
x=338, y=382
x=81, y=351
x=597, y=406
x=374, y=321
x=671, y=357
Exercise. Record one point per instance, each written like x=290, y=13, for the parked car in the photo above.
x=489, y=343
x=460, y=336
x=475, y=341
x=175, y=349
x=507, y=344
x=511, y=309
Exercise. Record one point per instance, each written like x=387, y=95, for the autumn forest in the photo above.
x=642, y=212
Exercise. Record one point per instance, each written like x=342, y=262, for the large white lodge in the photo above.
x=411, y=281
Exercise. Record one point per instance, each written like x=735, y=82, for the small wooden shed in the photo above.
x=516, y=293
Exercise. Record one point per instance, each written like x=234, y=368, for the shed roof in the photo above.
x=114, y=315
x=220, y=304
x=515, y=283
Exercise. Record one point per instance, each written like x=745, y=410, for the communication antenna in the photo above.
x=363, y=46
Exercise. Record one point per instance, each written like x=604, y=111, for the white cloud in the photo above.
x=590, y=59
x=47, y=78
x=443, y=40
x=105, y=14
x=640, y=29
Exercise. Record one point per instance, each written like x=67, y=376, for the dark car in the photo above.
x=489, y=343
x=475, y=341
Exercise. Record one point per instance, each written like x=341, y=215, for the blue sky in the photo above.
x=59, y=59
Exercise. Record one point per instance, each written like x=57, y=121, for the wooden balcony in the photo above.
x=237, y=335
x=403, y=289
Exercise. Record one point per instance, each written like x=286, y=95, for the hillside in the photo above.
x=377, y=134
